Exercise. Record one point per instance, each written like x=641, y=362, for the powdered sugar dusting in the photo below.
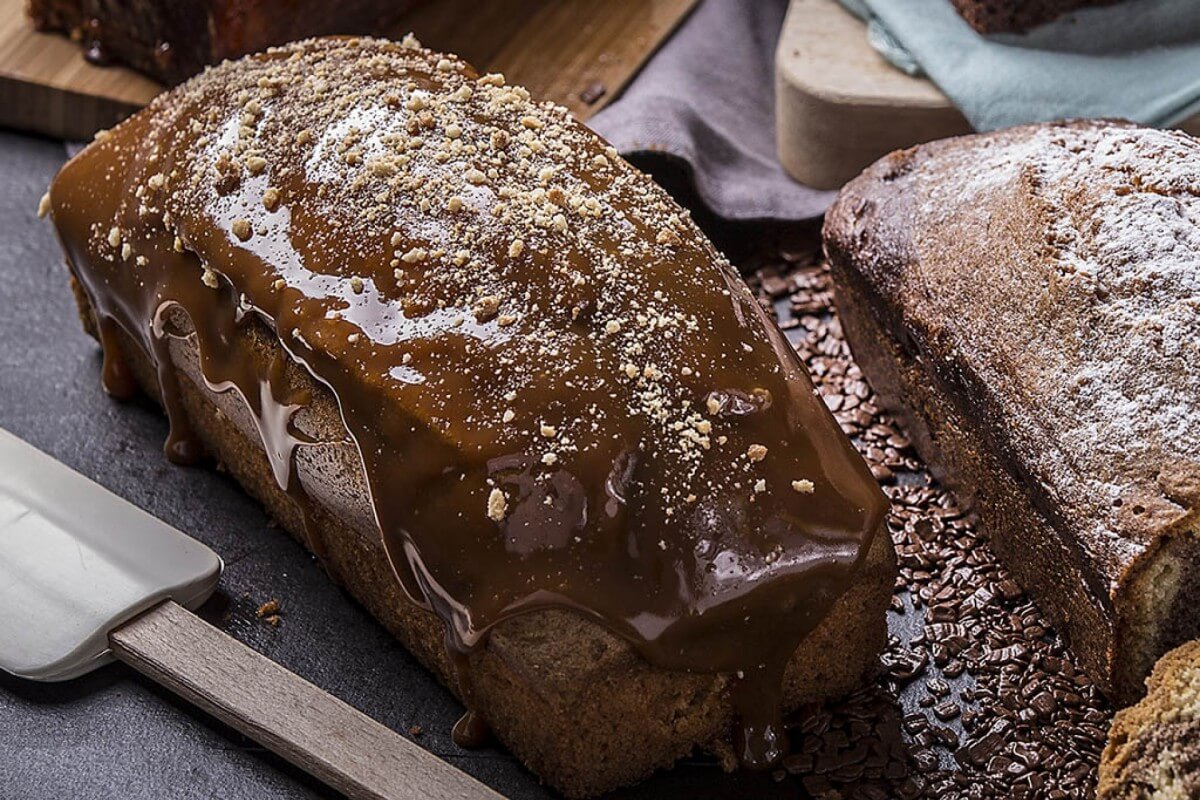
x=1093, y=235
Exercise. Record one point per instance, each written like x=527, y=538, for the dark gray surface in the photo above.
x=116, y=735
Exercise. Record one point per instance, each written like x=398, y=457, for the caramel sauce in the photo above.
x=562, y=396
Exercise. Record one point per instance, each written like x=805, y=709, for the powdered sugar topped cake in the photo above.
x=1044, y=282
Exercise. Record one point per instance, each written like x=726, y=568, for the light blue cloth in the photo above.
x=1137, y=60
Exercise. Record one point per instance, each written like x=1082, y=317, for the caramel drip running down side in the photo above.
x=561, y=395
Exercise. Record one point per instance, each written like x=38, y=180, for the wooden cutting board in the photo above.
x=840, y=105
x=568, y=51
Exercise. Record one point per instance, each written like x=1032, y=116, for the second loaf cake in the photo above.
x=1029, y=302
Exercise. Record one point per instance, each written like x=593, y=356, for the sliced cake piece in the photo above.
x=1153, y=750
x=172, y=41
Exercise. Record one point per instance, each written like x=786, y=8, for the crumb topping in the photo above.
x=456, y=214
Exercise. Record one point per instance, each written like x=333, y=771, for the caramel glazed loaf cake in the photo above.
x=1027, y=301
x=1153, y=750
x=393, y=295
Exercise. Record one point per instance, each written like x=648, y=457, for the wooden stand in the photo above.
x=580, y=53
x=840, y=105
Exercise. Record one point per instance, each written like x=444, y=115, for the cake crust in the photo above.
x=1025, y=301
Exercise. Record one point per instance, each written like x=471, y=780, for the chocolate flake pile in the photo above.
x=979, y=697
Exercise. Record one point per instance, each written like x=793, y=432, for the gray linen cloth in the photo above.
x=707, y=99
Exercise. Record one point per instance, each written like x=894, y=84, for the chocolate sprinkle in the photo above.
x=978, y=696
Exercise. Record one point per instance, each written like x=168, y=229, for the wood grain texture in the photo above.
x=840, y=105
x=561, y=50
x=309, y=727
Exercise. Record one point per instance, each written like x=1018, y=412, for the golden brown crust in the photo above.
x=1024, y=295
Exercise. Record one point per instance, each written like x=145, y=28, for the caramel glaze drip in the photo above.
x=562, y=396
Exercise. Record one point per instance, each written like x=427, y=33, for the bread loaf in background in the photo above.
x=172, y=41
x=1017, y=16
x=1153, y=750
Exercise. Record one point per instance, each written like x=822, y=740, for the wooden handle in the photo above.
x=306, y=725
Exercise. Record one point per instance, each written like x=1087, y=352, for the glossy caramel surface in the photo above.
x=561, y=394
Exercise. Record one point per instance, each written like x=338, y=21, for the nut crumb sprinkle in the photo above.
x=488, y=222
x=497, y=505
x=268, y=609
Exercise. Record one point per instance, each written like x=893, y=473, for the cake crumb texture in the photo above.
x=1153, y=750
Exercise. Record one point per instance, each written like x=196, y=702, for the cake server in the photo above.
x=86, y=577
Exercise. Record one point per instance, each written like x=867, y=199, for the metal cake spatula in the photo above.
x=86, y=577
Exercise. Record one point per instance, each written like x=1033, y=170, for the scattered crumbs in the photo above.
x=803, y=486
x=756, y=452
x=241, y=229
x=270, y=608
x=497, y=505
x=486, y=307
